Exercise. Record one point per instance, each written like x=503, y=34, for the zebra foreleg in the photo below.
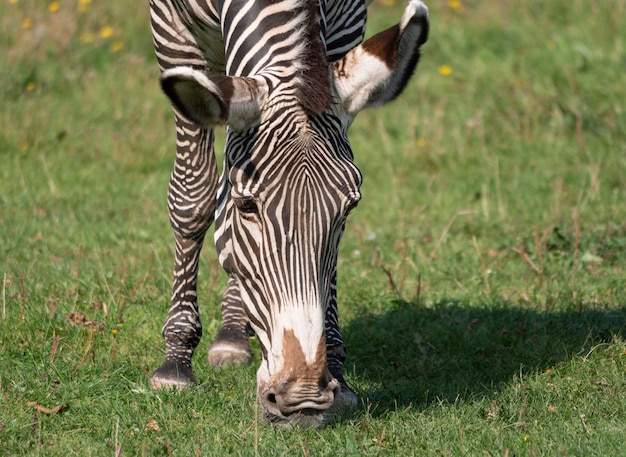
x=182, y=329
x=232, y=345
x=191, y=204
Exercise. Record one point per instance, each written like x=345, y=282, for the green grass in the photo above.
x=481, y=278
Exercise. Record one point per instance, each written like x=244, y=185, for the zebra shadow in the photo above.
x=417, y=355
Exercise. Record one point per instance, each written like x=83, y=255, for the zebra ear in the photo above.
x=376, y=71
x=210, y=100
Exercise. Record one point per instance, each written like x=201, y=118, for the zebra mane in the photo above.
x=315, y=85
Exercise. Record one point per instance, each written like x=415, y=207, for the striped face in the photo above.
x=287, y=189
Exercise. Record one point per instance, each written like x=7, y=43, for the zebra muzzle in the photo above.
x=299, y=403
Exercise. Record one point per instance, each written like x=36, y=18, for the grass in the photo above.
x=481, y=278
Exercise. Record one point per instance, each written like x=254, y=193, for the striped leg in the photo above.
x=191, y=204
x=191, y=200
x=231, y=346
x=336, y=348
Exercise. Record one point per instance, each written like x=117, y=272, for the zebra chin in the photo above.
x=304, y=419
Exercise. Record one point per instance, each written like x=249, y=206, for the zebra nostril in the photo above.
x=271, y=398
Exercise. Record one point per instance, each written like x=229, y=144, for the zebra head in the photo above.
x=288, y=185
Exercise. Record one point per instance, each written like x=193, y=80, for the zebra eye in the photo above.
x=246, y=205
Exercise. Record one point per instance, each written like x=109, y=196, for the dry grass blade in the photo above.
x=433, y=253
x=42, y=409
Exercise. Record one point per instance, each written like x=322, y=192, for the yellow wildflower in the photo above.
x=13, y=1
x=82, y=5
x=421, y=143
x=526, y=437
x=445, y=70
x=114, y=331
x=455, y=5
x=30, y=86
x=54, y=7
x=86, y=38
x=106, y=32
x=27, y=23
x=117, y=46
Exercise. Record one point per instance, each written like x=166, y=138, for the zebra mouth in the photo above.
x=307, y=415
x=305, y=418
x=344, y=403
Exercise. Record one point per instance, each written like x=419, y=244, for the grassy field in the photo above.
x=482, y=278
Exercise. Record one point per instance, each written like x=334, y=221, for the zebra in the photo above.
x=286, y=78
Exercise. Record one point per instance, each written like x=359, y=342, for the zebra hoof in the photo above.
x=228, y=353
x=345, y=403
x=347, y=399
x=172, y=375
